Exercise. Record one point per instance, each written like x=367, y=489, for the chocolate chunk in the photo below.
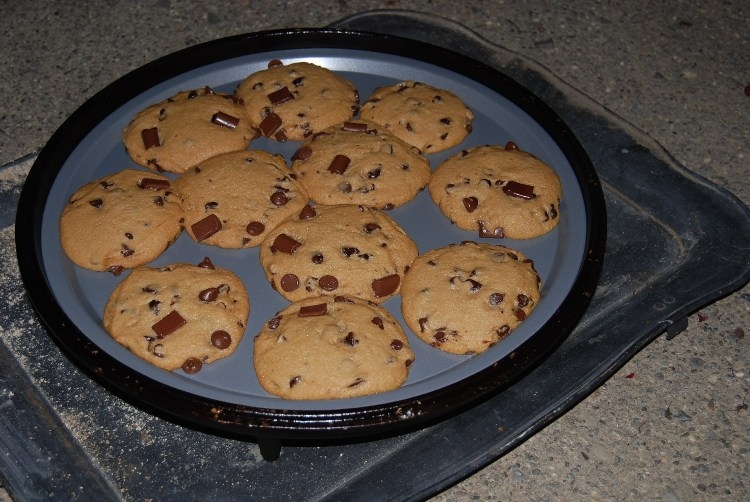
x=319, y=309
x=302, y=154
x=328, y=282
x=515, y=189
x=307, y=212
x=397, y=344
x=339, y=164
x=168, y=324
x=289, y=282
x=208, y=295
x=255, y=228
x=153, y=184
x=192, y=365
x=350, y=340
x=206, y=263
x=385, y=285
x=150, y=137
x=225, y=120
x=285, y=244
x=471, y=203
x=270, y=124
x=281, y=96
x=279, y=198
x=206, y=227
x=486, y=232
x=221, y=339
x=377, y=321
x=354, y=127
x=97, y=203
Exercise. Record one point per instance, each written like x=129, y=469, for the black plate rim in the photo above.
x=217, y=416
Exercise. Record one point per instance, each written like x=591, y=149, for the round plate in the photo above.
x=225, y=396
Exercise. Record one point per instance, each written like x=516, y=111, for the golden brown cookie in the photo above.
x=359, y=162
x=232, y=200
x=337, y=250
x=191, y=126
x=429, y=118
x=120, y=221
x=291, y=102
x=331, y=348
x=180, y=316
x=498, y=192
x=465, y=298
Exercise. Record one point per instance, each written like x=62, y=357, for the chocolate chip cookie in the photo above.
x=232, y=200
x=191, y=126
x=120, y=221
x=429, y=118
x=465, y=298
x=337, y=250
x=331, y=347
x=180, y=316
x=498, y=192
x=291, y=102
x=359, y=162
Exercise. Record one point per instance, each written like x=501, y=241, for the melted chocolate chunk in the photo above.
x=385, y=285
x=221, y=339
x=168, y=324
x=317, y=310
x=225, y=120
x=285, y=244
x=206, y=227
x=153, y=184
x=339, y=164
x=515, y=189
x=281, y=96
x=150, y=138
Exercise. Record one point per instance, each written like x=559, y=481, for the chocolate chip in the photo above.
x=279, y=198
x=159, y=201
x=520, y=314
x=294, y=381
x=475, y=285
x=523, y=300
x=371, y=227
x=116, y=270
x=510, y=146
x=470, y=203
x=255, y=228
x=208, y=206
x=192, y=365
x=339, y=164
x=397, y=344
x=349, y=251
x=153, y=184
x=221, y=339
x=328, y=282
x=150, y=137
x=270, y=124
x=486, y=232
x=422, y=324
x=97, y=203
x=385, y=285
x=285, y=244
x=168, y=324
x=496, y=299
x=206, y=227
x=375, y=173
x=299, y=81
x=520, y=190
x=281, y=96
x=126, y=251
x=377, y=321
x=289, y=282
x=208, y=295
x=317, y=258
x=274, y=63
x=345, y=187
x=350, y=340
x=153, y=305
x=206, y=263
x=302, y=154
x=440, y=337
x=317, y=310
x=274, y=323
x=307, y=212
x=225, y=120
x=503, y=330
x=356, y=382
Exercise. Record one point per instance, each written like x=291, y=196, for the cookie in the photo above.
x=429, y=118
x=120, y=221
x=186, y=129
x=331, y=348
x=291, y=102
x=465, y=298
x=180, y=316
x=337, y=250
x=357, y=162
x=498, y=192
x=232, y=200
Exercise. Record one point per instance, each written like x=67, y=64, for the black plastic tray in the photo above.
x=114, y=451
